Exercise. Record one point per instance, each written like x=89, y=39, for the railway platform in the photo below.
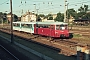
x=20, y=53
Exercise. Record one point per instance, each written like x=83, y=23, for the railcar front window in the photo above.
x=61, y=27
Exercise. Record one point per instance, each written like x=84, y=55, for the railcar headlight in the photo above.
x=62, y=31
x=56, y=32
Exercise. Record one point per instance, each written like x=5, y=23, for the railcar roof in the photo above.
x=55, y=23
x=25, y=22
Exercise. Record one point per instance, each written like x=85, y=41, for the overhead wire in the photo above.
x=48, y=3
x=4, y=2
x=79, y=3
x=71, y=4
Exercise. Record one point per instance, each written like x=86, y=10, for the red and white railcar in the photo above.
x=52, y=29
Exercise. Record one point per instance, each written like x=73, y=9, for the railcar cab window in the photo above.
x=61, y=27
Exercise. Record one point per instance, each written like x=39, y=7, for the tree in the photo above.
x=49, y=15
x=38, y=18
x=83, y=12
x=50, y=18
x=41, y=15
x=71, y=12
x=80, y=15
x=83, y=9
x=15, y=18
x=86, y=16
x=3, y=16
x=86, y=8
x=59, y=17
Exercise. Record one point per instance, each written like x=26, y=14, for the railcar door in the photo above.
x=32, y=28
x=35, y=29
x=52, y=30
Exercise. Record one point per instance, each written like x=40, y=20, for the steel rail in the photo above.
x=9, y=52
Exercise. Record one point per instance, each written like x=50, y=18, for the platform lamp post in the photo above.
x=37, y=15
x=12, y=41
x=67, y=15
x=65, y=12
x=35, y=8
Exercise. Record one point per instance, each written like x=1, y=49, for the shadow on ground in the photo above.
x=70, y=35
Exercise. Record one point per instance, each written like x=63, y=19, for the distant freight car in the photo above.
x=82, y=22
x=51, y=29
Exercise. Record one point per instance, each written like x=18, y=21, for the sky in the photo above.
x=42, y=6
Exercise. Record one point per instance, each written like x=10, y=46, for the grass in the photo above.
x=77, y=35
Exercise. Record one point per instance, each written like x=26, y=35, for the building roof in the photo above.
x=24, y=22
x=28, y=13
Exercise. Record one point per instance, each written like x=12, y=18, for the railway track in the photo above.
x=67, y=47
x=7, y=54
x=81, y=30
x=43, y=41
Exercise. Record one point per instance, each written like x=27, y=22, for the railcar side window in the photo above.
x=43, y=26
x=57, y=27
x=48, y=26
x=52, y=26
x=66, y=27
x=14, y=24
x=17, y=25
x=39, y=26
x=30, y=25
x=26, y=25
